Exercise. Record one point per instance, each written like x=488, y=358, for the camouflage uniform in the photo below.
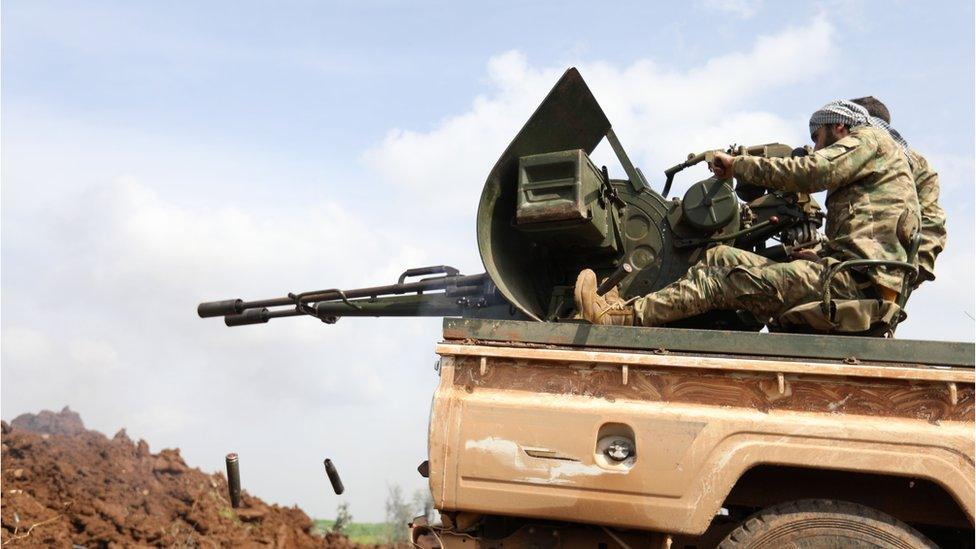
x=933, y=227
x=869, y=186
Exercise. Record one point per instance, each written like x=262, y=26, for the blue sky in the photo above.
x=155, y=155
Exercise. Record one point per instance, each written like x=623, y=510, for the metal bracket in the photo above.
x=446, y=270
x=637, y=181
x=300, y=300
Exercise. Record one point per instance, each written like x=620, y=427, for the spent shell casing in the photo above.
x=233, y=480
x=330, y=470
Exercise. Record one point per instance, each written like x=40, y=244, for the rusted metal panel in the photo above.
x=729, y=365
x=888, y=397
x=788, y=346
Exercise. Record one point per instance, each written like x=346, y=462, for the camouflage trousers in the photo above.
x=729, y=278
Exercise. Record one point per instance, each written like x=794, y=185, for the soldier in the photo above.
x=872, y=207
x=933, y=228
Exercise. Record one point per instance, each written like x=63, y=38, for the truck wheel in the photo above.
x=823, y=523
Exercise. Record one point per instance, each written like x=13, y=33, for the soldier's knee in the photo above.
x=721, y=255
x=797, y=281
x=751, y=281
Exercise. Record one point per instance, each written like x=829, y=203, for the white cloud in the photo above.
x=164, y=419
x=147, y=260
x=660, y=114
x=101, y=281
x=21, y=343
x=741, y=8
x=93, y=355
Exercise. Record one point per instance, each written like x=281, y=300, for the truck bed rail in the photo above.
x=852, y=350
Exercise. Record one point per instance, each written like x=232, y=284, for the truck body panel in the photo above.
x=516, y=426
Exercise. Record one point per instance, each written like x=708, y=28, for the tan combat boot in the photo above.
x=607, y=309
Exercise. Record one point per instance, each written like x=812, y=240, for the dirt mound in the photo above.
x=64, y=422
x=64, y=485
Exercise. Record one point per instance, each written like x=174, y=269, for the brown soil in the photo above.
x=64, y=485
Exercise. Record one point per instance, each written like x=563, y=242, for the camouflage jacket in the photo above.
x=869, y=186
x=933, y=216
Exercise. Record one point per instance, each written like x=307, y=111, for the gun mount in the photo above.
x=547, y=211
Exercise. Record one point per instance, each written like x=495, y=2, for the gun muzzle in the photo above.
x=233, y=480
x=250, y=316
x=621, y=273
x=334, y=477
x=220, y=308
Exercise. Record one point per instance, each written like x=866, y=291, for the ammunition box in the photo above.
x=559, y=200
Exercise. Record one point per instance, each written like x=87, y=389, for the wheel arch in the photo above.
x=911, y=499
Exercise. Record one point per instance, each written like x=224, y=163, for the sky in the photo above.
x=155, y=155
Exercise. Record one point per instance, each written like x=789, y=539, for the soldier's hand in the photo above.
x=721, y=165
x=805, y=253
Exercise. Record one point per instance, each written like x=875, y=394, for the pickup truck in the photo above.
x=574, y=435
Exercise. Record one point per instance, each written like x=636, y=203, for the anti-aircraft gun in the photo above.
x=547, y=211
x=552, y=434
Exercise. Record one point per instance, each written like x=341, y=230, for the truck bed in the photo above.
x=522, y=407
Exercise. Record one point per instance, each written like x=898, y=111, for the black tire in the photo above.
x=823, y=523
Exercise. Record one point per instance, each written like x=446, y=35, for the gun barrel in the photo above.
x=238, y=306
x=449, y=295
x=258, y=316
x=220, y=308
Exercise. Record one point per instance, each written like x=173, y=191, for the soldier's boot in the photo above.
x=607, y=309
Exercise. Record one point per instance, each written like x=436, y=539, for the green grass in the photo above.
x=359, y=532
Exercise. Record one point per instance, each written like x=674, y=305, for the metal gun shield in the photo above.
x=568, y=118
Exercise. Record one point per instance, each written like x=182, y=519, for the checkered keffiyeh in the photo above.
x=852, y=114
